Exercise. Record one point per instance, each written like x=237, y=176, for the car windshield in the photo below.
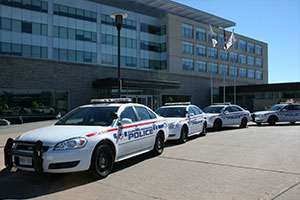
x=89, y=116
x=276, y=107
x=172, y=112
x=213, y=109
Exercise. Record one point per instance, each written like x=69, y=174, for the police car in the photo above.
x=278, y=113
x=184, y=120
x=222, y=115
x=90, y=137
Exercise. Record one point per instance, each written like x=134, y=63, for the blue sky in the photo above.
x=276, y=22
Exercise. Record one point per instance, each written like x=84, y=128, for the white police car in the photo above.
x=278, y=113
x=184, y=120
x=90, y=137
x=222, y=115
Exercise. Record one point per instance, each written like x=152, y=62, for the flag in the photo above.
x=231, y=40
x=212, y=34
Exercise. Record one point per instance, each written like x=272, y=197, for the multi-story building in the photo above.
x=58, y=54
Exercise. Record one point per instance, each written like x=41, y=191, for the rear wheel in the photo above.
x=183, y=134
x=244, y=123
x=272, y=120
x=102, y=161
x=159, y=144
x=293, y=123
x=258, y=123
x=217, y=125
x=204, y=130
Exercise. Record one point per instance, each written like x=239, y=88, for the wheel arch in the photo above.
x=273, y=116
x=109, y=143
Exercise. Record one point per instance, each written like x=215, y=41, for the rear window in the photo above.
x=213, y=109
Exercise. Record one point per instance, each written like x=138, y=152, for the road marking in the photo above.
x=285, y=191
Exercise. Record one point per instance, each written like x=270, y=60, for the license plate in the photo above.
x=25, y=161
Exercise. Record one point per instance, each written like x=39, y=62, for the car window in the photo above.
x=296, y=107
x=191, y=111
x=128, y=112
x=153, y=116
x=197, y=110
x=213, y=109
x=142, y=112
x=288, y=107
x=236, y=109
x=229, y=109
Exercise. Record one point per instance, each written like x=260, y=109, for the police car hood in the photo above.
x=174, y=119
x=51, y=135
x=264, y=112
x=212, y=114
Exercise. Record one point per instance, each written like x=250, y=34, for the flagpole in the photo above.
x=211, y=88
x=234, y=91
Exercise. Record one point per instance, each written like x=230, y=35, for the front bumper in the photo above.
x=258, y=118
x=174, y=133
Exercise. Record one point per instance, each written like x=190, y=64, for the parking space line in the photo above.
x=285, y=191
x=229, y=165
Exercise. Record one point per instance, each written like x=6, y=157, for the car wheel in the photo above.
x=293, y=123
x=102, y=161
x=183, y=134
x=272, y=120
x=204, y=130
x=159, y=144
x=244, y=123
x=217, y=125
x=258, y=123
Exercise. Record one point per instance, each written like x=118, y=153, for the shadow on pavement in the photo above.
x=24, y=185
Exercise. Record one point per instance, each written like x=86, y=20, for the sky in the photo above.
x=275, y=22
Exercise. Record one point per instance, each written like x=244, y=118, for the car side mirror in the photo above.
x=225, y=111
x=125, y=121
x=113, y=116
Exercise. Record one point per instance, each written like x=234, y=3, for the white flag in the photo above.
x=212, y=35
x=231, y=40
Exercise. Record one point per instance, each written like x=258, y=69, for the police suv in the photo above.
x=222, y=115
x=278, y=113
x=90, y=137
x=184, y=120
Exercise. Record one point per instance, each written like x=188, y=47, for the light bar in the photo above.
x=177, y=103
x=226, y=103
x=116, y=100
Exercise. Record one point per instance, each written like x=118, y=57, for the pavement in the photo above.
x=252, y=163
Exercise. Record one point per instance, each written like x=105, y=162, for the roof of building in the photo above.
x=168, y=6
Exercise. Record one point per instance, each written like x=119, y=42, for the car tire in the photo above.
x=102, y=161
x=272, y=120
x=243, y=123
x=183, y=135
x=258, y=123
x=217, y=125
x=159, y=144
x=204, y=130
x=293, y=123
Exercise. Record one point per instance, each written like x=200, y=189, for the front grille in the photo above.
x=28, y=147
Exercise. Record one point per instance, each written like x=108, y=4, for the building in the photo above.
x=261, y=96
x=58, y=54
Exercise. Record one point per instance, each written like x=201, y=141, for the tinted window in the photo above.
x=276, y=107
x=229, y=109
x=191, y=111
x=153, y=116
x=171, y=112
x=213, y=109
x=236, y=109
x=128, y=113
x=296, y=107
x=289, y=107
x=197, y=110
x=142, y=113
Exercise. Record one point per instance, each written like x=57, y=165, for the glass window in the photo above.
x=55, y=54
x=223, y=54
x=17, y=49
x=201, y=50
x=212, y=52
x=71, y=34
x=26, y=50
x=221, y=40
x=251, y=60
x=36, y=52
x=6, y=24
x=79, y=56
x=5, y=48
x=63, y=32
x=258, y=49
x=233, y=71
x=128, y=113
x=200, y=34
x=259, y=75
x=200, y=66
x=213, y=68
x=258, y=62
x=55, y=31
x=142, y=113
x=197, y=110
x=36, y=29
x=44, y=29
x=191, y=111
x=94, y=57
x=26, y=27
x=71, y=11
x=63, y=54
x=88, y=14
x=56, y=9
x=233, y=57
x=187, y=30
x=79, y=12
x=250, y=47
x=187, y=48
x=243, y=45
x=243, y=59
x=16, y=25
x=94, y=37
x=250, y=73
x=224, y=69
x=187, y=64
x=44, y=52
x=63, y=9
x=71, y=55
x=87, y=57
x=243, y=73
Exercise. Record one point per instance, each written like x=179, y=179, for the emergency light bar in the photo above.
x=116, y=100
x=178, y=103
x=226, y=103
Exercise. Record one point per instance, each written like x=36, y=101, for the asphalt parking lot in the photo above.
x=253, y=163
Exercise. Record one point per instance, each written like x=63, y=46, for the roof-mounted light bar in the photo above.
x=116, y=100
x=225, y=103
x=177, y=103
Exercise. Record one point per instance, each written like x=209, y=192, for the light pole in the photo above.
x=118, y=17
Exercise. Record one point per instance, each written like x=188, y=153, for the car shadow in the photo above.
x=26, y=185
x=277, y=124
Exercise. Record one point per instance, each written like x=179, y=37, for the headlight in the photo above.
x=173, y=125
x=73, y=143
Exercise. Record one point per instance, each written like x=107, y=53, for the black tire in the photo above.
x=217, y=125
x=183, y=135
x=293, y=123
x=102, y=161
x=272, y=120
x=204, y=129
x=244, y=123
x=159, y=144
x=258, y=123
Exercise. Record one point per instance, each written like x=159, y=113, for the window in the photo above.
x=128, y=113
x=17, y=49
x=35, y=5
x=243, y=45
x=201, y=50
x=233, y=71
x=16, y=25
x=251, y=73
x=127, y=23
x=250, y=60
x=215, y=37
x=259, y=75
x=26, y=50
x=200, y=34
x=36, y=29
x=187, y=64
x=197, y=110
x=191, y=111
x=5, y=48
x=200, y=66
x=156, y=30
x=142, y=113
x=26, y=27
x=223, y=55
x=44, y=29
x=250, y=47
x=258, y=62
x=187, y=30
x=233, y=57
x=243, y=59
x=79, y=56
x=258, y=49
x=221, y=40
x=224, y=69
x=63, y=32
x=153, y=64
x=243, y=73
x=213, y=68
x=74, y=13
x=212, y=52
x=187, y=48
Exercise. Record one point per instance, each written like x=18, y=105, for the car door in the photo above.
x=296, y=112
x=228, y=116
x=199, y=118
x=237, y=115
x=192, y=120
x=145, y=128
x=126, y=141
x=285, y=114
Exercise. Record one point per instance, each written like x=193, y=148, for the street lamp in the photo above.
x=118, y=17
